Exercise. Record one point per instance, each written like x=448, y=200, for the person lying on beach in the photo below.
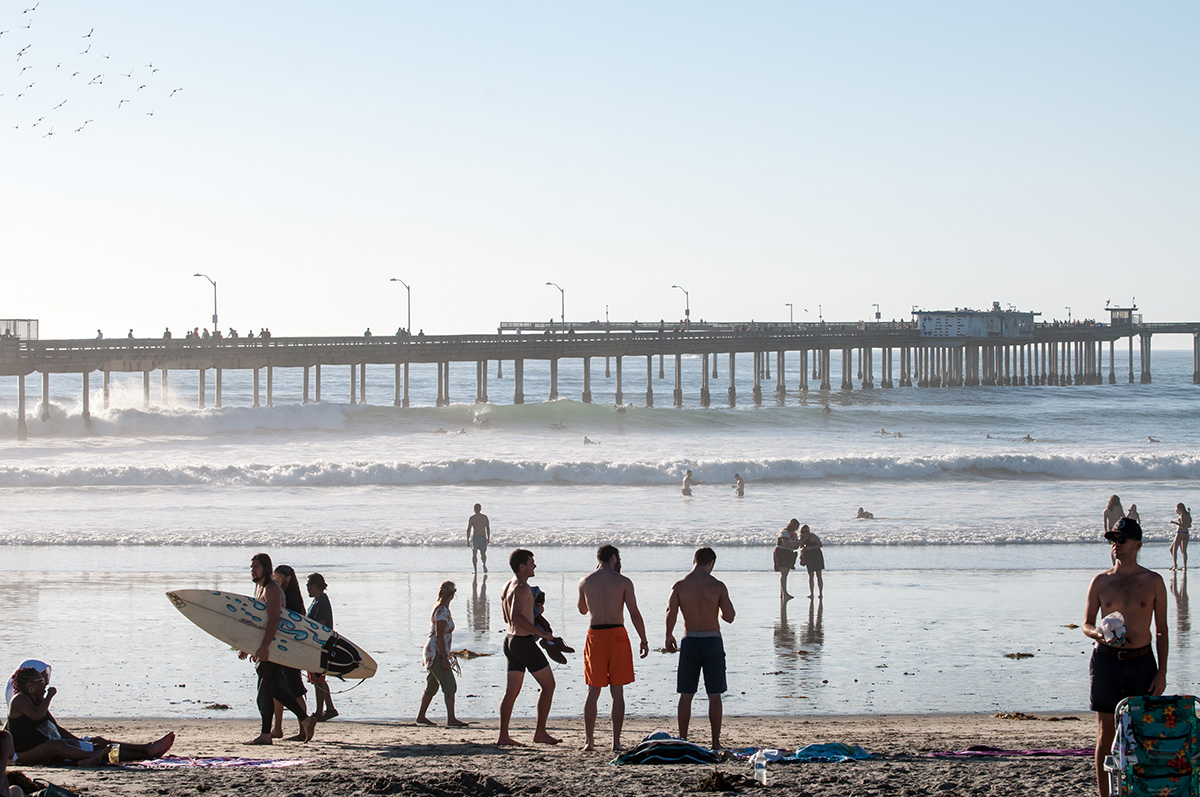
x=864, y=515
x=38, y=738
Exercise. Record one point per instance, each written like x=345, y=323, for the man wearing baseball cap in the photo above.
x=1120, y=604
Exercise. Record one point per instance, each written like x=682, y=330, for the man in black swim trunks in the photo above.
x=1124, y=666
x=521, y=649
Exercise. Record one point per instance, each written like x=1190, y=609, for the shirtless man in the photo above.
x=689, y=483
x=479, y=534
x=272, y=685
x=521, y=650
x=607, y=655
x=702, y=599
x=1124, y=667
x=739, y=485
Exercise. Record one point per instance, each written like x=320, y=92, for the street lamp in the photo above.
x=563, y=297
x=687, y=302
x=791, y=312
x=409, y=290
x=876, y=306
x=214, y=284
x=1068, y=309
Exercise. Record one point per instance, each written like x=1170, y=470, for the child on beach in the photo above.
x=554, y=648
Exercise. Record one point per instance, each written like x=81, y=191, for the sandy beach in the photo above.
x=352, y=758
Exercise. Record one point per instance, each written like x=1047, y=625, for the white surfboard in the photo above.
x=299, y=643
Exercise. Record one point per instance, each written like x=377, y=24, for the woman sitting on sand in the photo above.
x=436, y=658
x=39, y=739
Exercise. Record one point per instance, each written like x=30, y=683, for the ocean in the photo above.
x=982, y=543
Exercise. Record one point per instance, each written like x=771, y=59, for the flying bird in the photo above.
x=73, y=74
x=172, y=94
x=85, y=49
x=149, y=113
x=61, y=104
x=24, y=68
x=34, y=8
x=139, y=88
x=96, y=79
x=21, y=52
x=122, y=102
x=89, y=34
x=50, y=133
x=106, y=56
x=58, y=65
x=39, y=121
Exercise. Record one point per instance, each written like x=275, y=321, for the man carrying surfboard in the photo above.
x=521, y=650
x=271, y=684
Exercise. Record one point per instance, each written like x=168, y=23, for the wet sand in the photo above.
x=353, y=758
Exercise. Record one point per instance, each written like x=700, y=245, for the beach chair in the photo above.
x=1157, y=747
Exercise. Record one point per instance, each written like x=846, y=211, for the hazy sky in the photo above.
x=938, y=154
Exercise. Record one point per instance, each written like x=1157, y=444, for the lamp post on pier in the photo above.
x=563, y=306
x=409, y=291
x=791, y=312
x=214, y=284
x=687, y=303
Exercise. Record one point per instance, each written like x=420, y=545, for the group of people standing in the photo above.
x=604, y=596
x=797, y=545
x=1114, y=513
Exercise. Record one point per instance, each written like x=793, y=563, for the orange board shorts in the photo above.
x=607, y=657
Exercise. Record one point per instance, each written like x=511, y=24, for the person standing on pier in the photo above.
x=479, y=534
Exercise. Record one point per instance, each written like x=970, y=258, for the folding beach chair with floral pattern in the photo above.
x=1157, y=748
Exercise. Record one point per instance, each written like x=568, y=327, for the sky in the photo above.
x=833, y=156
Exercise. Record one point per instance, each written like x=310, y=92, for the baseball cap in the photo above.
x=1125, y=527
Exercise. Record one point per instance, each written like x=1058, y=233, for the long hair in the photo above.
x=292, y=598
x=264, y=560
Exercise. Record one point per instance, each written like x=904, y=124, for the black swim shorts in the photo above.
x=696, y=654
x=523, y=653
x=1114, y=679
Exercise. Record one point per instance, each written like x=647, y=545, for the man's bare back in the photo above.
x=702, y=599
x=605, y=592
x=516, y=600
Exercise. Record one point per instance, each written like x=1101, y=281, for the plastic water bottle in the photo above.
x=760, y=767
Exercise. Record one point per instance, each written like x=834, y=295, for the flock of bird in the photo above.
x=60, y=86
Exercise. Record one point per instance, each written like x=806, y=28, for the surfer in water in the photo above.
x=272, y=685
x=33, y=729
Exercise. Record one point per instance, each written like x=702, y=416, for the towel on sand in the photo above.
x=828, y=753
x=216, y=762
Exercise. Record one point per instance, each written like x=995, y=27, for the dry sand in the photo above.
x=353, y=758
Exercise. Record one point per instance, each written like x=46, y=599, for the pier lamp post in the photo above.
x=214, y=284
x=1068, y=309
x=791, y=312
x=876, y=306
x=563, y=306
x=409, y=290
x=687, y=302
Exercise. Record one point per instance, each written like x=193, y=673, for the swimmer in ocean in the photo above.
x=739, y=484
x=1028, y=439
x=689, y=483
x=864, y=515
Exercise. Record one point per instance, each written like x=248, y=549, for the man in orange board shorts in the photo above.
x=607, y=655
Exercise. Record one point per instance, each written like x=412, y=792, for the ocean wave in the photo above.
x=1094, y=467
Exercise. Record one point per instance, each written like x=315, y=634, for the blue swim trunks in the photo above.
x=696, y=654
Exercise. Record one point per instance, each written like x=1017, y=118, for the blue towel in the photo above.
x=828, y=753
x=660, y=748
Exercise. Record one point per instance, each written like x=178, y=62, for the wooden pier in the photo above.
x=1043, y=354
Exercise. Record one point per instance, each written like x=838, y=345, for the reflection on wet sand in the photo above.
x=479, y=612
x=1183, y=622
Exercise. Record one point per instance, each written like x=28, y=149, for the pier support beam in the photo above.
x=649, y=379
x=106, y=392
x=847, y=369
x=257, y=392
x=145, y=389
x=271, y=385
x=662, y=374
x=362, y=383
x=481, y=375
x=823, y=358
x=1195, y=358
x=1112, y=362
x=304, y=388
x=1145, y=336
x=757, y=360
x=553, y=378
x=587, y=380
x=518, y=381
x=866, y=360
x=619, y=396
x=780, y=380
x=404, y=398
x=45, y=414
x=22, y=428
x=678, y=395
x=217, y=388
x=201, y=390
x=732, y=370
x=803, y=387
x=705, y=395
x=317, y=383
x=165, y=386
x=354, y=384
